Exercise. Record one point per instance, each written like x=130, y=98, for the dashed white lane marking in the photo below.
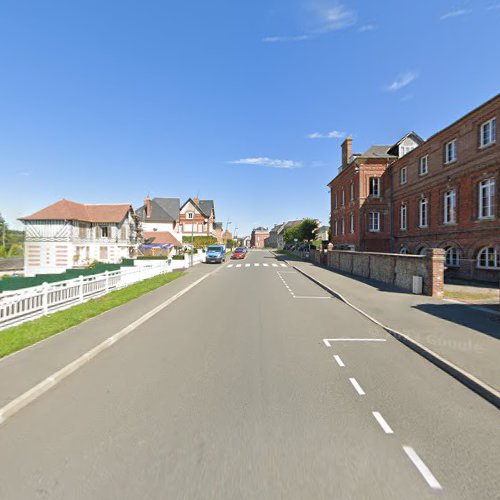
x=283, y=265
x=275, y=265
x=338, y=360
x=230, y=265
x=247, y=265
x=356, y=386
x=422, y=468
x=380, y=419
x=256, y=264
x=327, y=341
x=265, y=265
x=238, y=265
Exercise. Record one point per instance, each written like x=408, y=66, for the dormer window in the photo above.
x=405, y=149
x=190, y=215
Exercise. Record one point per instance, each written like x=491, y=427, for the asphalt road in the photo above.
x=231, y=393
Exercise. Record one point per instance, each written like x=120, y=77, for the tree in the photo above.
x=308, y=229
x=10, y=240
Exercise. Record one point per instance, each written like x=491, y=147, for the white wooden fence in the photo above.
x=29, y=303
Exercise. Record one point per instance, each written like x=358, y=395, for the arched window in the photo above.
x=488, y=258
x=422, y=251
x=452, y=257
x=404, y=250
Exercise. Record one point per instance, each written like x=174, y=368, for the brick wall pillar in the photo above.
x=434, y=284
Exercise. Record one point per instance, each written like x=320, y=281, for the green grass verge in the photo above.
x=449, y=294
x=18, y=337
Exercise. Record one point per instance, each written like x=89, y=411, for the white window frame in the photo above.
x=342, y=197
x=487, y=210
x=352, y=223
x=335, y=200
x=491, y=137
x=404, y=150
x=343, y=225
x=423, y=222
x=336, y=227
x=424, y=162
x=490, y=253
x=450, y=207
x=403, y=175
x=352, y=191
x=374, y=187
x=190, y=215
x=452, y=258
x=450, y=153
x=374, y=222
x=403, y=217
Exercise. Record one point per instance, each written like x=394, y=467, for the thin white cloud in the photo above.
x=336, y=18
x=367, y=27
x=268, y=162
x=279, y=39
x=454, y=13
x=494, y=7
x=402, y=81
x=324, y=19
x=334, y=134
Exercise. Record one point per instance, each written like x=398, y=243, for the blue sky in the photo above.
x=242, y=102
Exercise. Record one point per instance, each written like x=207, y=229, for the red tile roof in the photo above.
x=70, y=210
x=161, y=238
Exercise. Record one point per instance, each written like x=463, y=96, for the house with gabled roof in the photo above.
x=197, y=218
x=161, y=215
x=67, y=234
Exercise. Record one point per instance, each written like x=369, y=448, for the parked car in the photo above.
x=239, y=253
x=216, y=253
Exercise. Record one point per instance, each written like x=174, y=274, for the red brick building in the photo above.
x=197, y=217
x=258, y=236
x=441, y=193
x=446, y=193
x=360, y=217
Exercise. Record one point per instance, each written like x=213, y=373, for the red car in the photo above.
x=239, y=253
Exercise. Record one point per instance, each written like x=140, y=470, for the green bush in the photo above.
x=178, y=257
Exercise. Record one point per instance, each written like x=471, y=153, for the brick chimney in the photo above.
x=196, y=200
x=147, y=204
x=346, y=151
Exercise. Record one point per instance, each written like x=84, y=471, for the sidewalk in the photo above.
x=24, y=369
x=463, y=335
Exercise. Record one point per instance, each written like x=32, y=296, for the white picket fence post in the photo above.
x=45, y=298
x=80, y=288
x=106, y=281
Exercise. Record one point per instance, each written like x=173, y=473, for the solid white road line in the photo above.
x=356, y=386
x=302, y=297
x=422, y=468
x=327, y=341
x=238, y=265
x=230, y=265
x=380, y=419
x=338, y=360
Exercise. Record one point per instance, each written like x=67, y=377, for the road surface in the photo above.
x=231, y=392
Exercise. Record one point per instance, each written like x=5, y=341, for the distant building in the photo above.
x=322, y=233
x=67, y=234
x=276, y=237
x=258, y=237
x=161, y=215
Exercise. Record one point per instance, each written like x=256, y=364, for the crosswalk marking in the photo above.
x=275, y=265
x=230, y=265
x=247, y=265
x=238, y=265
x=256, y=264
x=266, y=265
x=283, y=265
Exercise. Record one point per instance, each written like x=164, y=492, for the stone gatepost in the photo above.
x=434, y=284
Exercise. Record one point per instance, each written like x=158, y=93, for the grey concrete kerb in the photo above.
x=478, y=386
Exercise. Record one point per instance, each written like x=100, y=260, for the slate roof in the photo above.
x=261, y=230
x=162, y=210
x=70, y=210
x=377, y=151
x=204, y=206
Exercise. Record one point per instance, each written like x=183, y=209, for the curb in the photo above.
x=45, y=385
x=478, y=386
